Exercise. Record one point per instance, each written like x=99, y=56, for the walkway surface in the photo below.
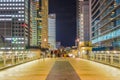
x=61, y=69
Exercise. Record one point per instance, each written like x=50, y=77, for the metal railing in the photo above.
x=7, y=60
x=106, y=58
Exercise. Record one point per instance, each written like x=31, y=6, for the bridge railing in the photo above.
x=106, y=58
x=7, y=60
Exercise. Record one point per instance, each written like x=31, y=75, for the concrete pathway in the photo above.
x=34, y=70
x=62, y=70
x=42, y=70
x=89, y=70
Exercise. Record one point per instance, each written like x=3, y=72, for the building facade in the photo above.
x=83, y=26
x=83, y=23
x=105, y=24
x=34, y=23
x=52, y=31
x=39, y=21
x=40, y=14
x=14, y=24
x=44, y=23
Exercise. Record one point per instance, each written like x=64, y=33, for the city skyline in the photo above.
x=59, y=39
x=35, y=23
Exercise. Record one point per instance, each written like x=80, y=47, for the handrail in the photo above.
x=106, y=58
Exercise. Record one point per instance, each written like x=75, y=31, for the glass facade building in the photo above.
x=39, y=21
x=105, y=24
x=34, y=23
x=52, y=31
x=83, y=21
x=83, y=28
x=44, y=24
x=14, y=24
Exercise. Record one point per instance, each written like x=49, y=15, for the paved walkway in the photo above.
x=44, y=70
x=89, y=70
x=62, y=70
x=34, y=70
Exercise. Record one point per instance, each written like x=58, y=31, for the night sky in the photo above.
x=65, y=20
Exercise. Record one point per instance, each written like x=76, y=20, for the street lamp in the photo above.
x=45, y=39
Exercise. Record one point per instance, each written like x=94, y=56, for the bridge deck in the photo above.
x=61, y=69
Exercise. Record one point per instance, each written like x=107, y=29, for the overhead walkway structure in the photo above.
x=61, y=69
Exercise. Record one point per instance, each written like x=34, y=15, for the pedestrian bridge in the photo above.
x=61, y=69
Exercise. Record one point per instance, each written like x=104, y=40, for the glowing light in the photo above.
x=45, y=39
x=114, y=51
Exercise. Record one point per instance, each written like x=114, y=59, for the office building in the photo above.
x=105, y=24
x=34, y=24
x=83, y=26
x=14, y=24
x=52, y=31
x=44, y=23
x=39, y=21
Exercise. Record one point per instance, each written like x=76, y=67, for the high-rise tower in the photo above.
x=52, y=31
x=83, y=26
x=34, y=23
x=14, y=24
x=44, y=23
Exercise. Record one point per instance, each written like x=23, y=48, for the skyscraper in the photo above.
x=105, y=24
x=34, y=23
x=39, y=21
x=44, y=23
x=52, y=31
x=14, y=24
x=83, y=26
